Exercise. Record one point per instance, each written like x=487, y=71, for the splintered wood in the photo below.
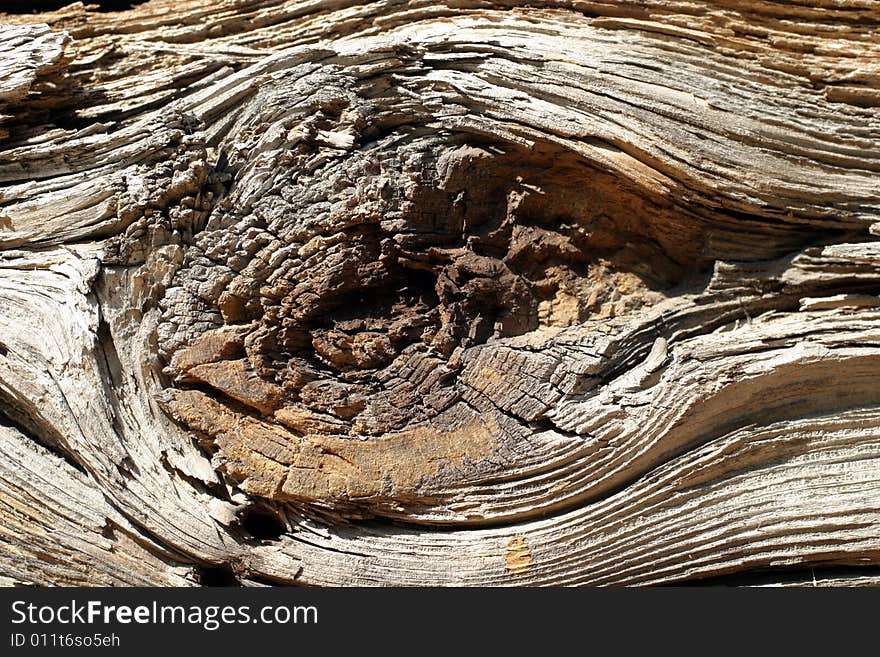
x=458, y=294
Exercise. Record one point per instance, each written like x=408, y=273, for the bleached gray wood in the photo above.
x=459, y=294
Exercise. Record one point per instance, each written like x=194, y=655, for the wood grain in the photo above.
x=469, y=293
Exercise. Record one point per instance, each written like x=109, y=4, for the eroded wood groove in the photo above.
x=462, y=294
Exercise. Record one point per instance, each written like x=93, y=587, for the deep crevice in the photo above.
x=37, y=6
x=798, y=576
x=29, y=429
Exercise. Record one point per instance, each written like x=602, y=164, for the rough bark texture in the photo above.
x=472, y=293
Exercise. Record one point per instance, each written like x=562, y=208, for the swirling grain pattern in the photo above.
x=469, y=293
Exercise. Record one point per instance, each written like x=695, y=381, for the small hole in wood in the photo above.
x=263, y=524
x=216, y=576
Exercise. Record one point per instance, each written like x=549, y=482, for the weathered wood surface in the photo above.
x=465, y=293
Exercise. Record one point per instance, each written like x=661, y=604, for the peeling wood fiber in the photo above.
x=469, y=293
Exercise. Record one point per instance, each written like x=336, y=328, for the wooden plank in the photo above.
x=401, y=293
